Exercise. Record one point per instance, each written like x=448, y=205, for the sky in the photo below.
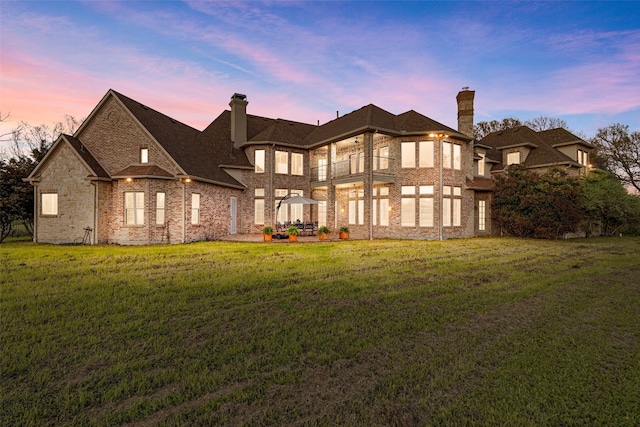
x=305, y=61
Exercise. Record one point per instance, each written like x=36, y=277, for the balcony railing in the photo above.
x=351, y=168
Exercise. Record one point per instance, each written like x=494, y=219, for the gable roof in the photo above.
x=543, y=153
x=559, y=136
x=95, y=168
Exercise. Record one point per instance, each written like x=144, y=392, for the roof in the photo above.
x=373, y=118
x=543, y=151
x=480, y=184
x=143, y=171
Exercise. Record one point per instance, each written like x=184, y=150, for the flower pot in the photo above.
x=323, y=236
x=344, y=235
x=267, y=237
x=293, y=237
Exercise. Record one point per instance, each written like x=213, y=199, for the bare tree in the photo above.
x=35, y=140
x=618, y=151
x=482, y=129
x=541, y=123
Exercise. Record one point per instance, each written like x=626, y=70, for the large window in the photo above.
x=160, y=207
x=282, y=162
x=426, y=205
x=451, y=156
x=482, y=215
x=457, y=157
x=408, y=206
x=195, y=208
x=382, y=160
x=297, y=213
x=446, y=155
x=49, y=203
x=259, y=161
x=452, y=206
x=322, y=212
x=408, y=154
x=356, y=207
x=297, y=160
x=426, y=154
x=134, y=208
x=384, y=205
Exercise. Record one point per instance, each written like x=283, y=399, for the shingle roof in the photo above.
x=542, y=152
x=86, y=155
x=560, y=136
x=143, y=171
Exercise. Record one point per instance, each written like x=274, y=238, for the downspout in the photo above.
x=35, y=213
x=184, y=213
x=94, y=235
x=371, y=200
x=272, y=195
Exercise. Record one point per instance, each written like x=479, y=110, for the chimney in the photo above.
x=238, y=106
x=465, y=111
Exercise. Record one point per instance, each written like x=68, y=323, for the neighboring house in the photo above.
x=136, y=176
x=539, y=151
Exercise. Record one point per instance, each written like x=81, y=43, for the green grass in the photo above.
x=461, y=332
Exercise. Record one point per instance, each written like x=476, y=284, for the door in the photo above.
x=234, y=215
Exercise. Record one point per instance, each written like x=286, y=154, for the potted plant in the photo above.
x=267, y=233
x=344, y=232
x=323, y=232
x=293, y=231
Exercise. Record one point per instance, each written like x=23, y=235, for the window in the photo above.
x=426, y=154
x=160, y=203
x=49, y=203
x=296, y=208
x=282, y=162
x=513, y=158
x=446, y=155
x=322, y=169
x=482, y=215
x=383, y=159
x=297, y=160
x=451, y=206
x=384, y=211
x=408, y=154
x=259, y=161
x=481, y=165
x=258, y=211
x=134, y=208
x=352, y=212
x=457, y=157
x=283, y=212
x=408, y=212
x=144, y=155
x=408, y=190
x=356, y=163
x=426, y=205
x=195, y=208
x=361, y=211
x=322, y=212
x=583, y=158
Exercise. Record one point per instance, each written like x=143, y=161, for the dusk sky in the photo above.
x=304, y=61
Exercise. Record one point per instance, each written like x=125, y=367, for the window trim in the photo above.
x=137, y=209
x=53, y=202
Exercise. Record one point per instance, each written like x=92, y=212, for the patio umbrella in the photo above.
x=294, y=198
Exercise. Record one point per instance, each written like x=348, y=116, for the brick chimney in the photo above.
x=465, y=111
x=238, y=106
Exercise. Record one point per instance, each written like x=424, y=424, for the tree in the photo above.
x=526, y=204
x=545, y=123
x=30, y=144
x=618, y=152
x=607, y=206
x=482, y=129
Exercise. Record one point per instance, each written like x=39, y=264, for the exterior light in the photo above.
x=187, y=180
x=129, y=179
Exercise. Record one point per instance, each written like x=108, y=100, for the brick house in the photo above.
x=539, y=151
x=136, y=176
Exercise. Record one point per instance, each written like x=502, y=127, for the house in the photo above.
x=539, y=151
x=136, y=176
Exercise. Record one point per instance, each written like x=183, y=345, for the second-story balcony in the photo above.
x=352, y=170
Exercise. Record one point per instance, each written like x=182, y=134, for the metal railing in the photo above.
x=351, y=167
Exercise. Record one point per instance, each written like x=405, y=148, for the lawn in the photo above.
x=461, y=332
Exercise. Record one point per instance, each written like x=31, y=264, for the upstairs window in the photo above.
x=583, y=158
x=513, y=158
x=426, y=154
x=408, y=154
x=282, y=162
x=297, y=167
x=144, y=155
x=259, y=161
x=481, y=165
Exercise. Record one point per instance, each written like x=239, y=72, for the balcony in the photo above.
x=352, y=170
